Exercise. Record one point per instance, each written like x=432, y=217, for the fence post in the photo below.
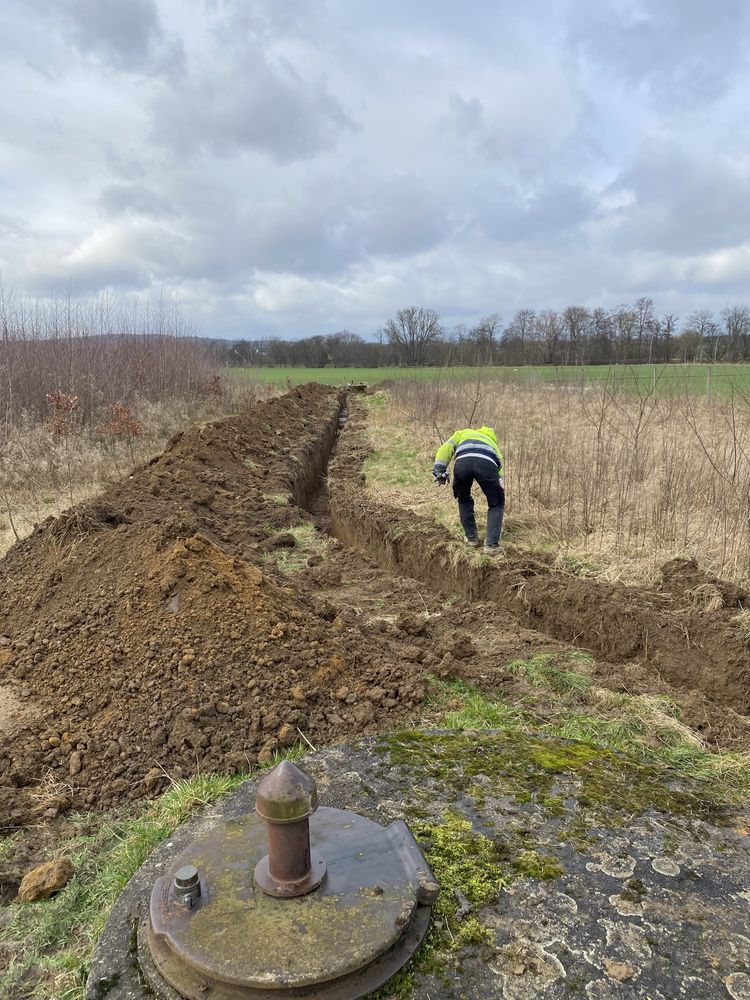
x=653, y=379
x=708, y=384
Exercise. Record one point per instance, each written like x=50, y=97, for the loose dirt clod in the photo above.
x=42, y=882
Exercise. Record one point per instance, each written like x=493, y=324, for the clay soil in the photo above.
x=152, y=634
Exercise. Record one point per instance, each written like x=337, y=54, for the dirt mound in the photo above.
x=150, y=645
x=685, y=578
x=685, y=631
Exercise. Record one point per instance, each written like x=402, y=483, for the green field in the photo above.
x=708, y=381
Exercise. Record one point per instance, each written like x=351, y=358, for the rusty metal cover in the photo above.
x=341, y=942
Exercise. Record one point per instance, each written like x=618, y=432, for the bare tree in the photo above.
x=411, y=331
x=547, y=331
x=666, y=328
x=644, y=321
x=484, y=338
x=737, y=329
x=700, y=336
x=516, y=336
x=576, y=321
x=625, y=321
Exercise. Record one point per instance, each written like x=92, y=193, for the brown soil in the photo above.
x=150, y=634
x=150, y=643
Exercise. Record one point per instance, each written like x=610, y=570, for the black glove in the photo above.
x=441, y=476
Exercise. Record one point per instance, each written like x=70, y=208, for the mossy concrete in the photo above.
x=566, y=871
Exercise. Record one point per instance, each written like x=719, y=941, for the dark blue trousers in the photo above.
x=465, y=472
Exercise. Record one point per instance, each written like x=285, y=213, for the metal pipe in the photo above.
x=286, y=799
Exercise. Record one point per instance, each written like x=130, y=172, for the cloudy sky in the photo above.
x=299, y=166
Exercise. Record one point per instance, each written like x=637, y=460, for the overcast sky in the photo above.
x=299, y=166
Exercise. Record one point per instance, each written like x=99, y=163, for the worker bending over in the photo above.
x=476, y=457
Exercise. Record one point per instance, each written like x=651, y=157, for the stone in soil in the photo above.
x=42, y=882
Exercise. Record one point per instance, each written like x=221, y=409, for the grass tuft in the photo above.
x=644, y=726
x=542, y=671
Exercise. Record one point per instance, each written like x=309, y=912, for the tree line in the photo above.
x=575, y=335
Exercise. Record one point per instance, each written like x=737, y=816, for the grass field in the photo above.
x=707, y=381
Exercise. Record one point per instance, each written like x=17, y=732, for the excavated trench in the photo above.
x=688, y=647
x=148, y=634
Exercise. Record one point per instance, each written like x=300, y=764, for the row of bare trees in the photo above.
x=98, y=352
x=633, y=334
x=576, y=335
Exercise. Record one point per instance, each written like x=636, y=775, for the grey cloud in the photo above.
x=251, y=104
x=682, y=203
x=266, y=18
x=322, y=229
x=289, y=163
x=684, y=51
x=12, y=228
x=520, y=118
x=119, y=199
x=127, y=34
x=464, y=115
x=554, y=210
x=402, y=217
x=51, y=277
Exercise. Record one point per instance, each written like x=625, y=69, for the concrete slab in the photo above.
x=577, y=873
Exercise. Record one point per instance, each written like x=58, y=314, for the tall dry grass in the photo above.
x=88, y=389
x=623, y=482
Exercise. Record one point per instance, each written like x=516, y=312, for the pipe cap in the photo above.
x=287, y=794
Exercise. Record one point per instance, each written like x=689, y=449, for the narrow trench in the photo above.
x=618, y=625
x=317, y=503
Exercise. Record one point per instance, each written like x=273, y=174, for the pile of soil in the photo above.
x=149, y=644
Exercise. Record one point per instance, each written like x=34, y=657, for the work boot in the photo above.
x=491, y=550
x=473, y=542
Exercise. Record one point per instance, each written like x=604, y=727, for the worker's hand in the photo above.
x=441, y=478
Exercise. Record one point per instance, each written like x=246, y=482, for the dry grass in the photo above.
x=613, y=485
x=42, y=475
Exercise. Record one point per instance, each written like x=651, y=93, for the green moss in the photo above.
x=603, y=786
x=556, y=757
x=472, y=932
x=554, y=805
x=633, y=891
x=644, y=727
x=478, y=793
x=461, y=859
x=464, y=859
x=534, y=865
x=581, y=788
